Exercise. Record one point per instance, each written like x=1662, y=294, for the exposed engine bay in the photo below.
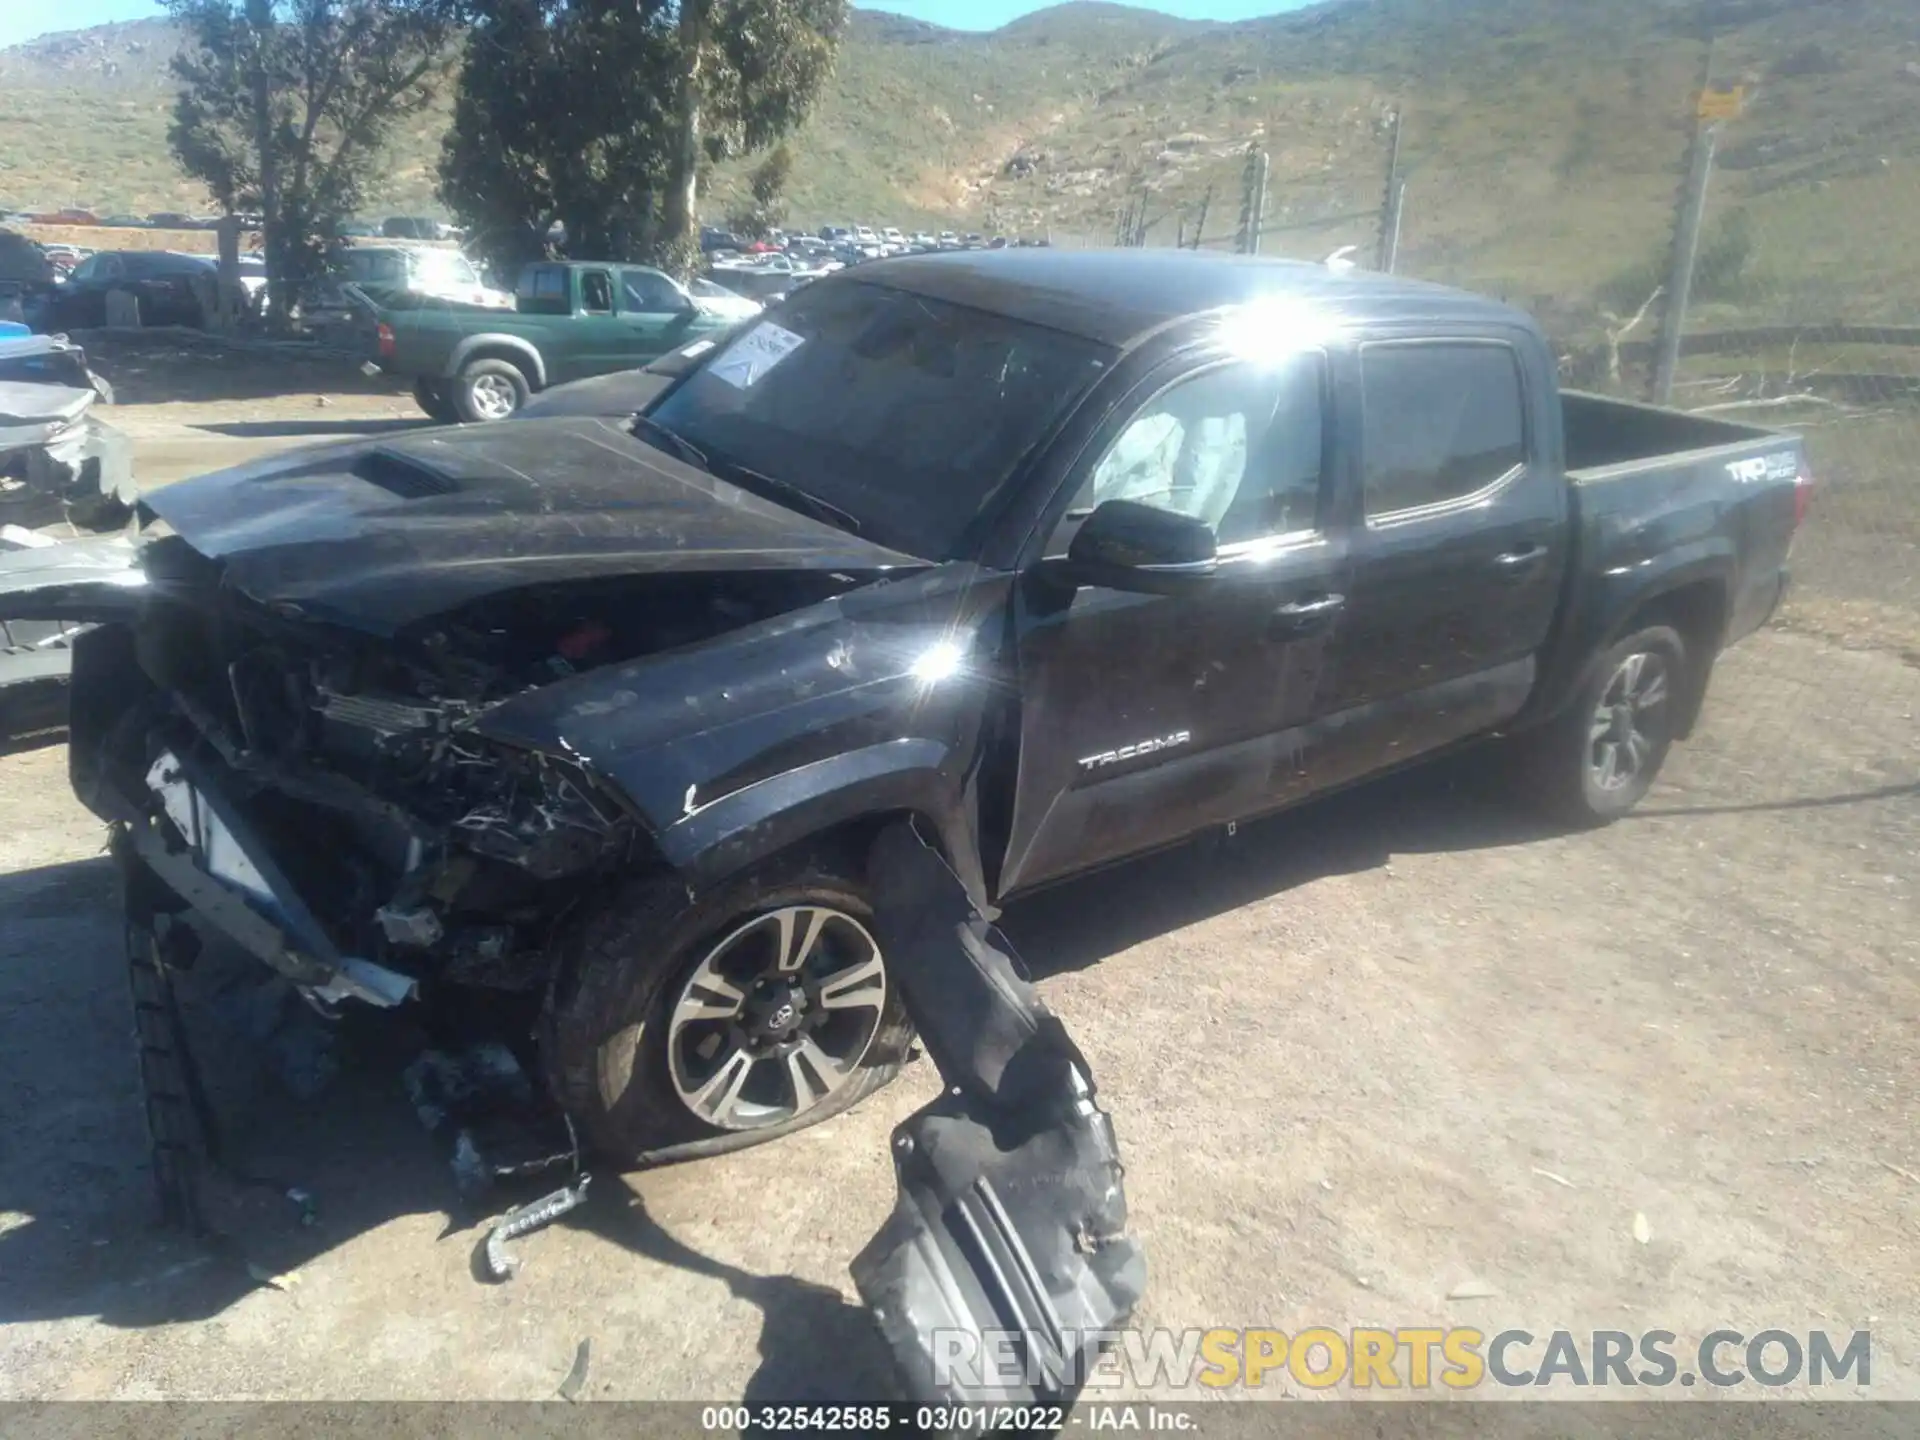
x=351, y=764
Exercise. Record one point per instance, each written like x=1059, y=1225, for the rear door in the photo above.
x=1145, y=718
x=1459, y=547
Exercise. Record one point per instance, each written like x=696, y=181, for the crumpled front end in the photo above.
x=331, y=814
x=376, y=820
x=88, y=470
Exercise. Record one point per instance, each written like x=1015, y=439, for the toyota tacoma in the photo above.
x=1059, y=557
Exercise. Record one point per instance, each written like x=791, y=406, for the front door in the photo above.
x=654, y=316
x=1146, y=718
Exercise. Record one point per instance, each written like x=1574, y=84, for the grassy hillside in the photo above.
x=1544, y=139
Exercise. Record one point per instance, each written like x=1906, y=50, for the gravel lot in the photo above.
x=1357, y=1056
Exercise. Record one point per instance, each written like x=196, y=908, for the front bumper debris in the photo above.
x=232, y=883
x=1006, y=1262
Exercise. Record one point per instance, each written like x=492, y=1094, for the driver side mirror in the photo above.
x=1125, y=545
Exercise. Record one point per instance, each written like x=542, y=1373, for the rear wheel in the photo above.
x=431, y=396
x=758, y=1010
x=489, y=390
x=1599, y=760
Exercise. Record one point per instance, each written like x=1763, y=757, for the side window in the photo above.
x=543, y=291
x=596, y=292
x=1442, y=422
x=1239, y=447
x=648, y=293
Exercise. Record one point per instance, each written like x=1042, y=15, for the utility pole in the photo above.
x=1253, y=204
x=1396, y=208
x=1389, y=231
x=1200, y=230
x=1711, y=107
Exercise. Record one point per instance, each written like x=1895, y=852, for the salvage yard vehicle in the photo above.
x=569, y=321
x=26, y=276
x=1064, y=557
x=164, y=287
x=58, y=459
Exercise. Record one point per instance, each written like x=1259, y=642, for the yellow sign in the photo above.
x=1722, y=103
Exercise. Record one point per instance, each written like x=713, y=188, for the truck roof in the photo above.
x=1120, y=297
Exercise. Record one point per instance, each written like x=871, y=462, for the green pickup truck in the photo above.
x=569, y=321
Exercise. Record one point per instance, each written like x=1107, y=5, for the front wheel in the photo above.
x=757, y=1010
x=1598, y=760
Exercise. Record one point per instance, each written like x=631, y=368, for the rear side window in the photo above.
x=1442, y=422
x=543, y=290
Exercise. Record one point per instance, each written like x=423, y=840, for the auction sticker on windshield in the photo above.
x=749, y=358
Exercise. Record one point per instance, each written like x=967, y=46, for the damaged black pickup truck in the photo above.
x=1063, y=557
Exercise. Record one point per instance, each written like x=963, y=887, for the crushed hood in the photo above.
x=378, y=535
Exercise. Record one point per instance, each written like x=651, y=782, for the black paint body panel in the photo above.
x=974, y=693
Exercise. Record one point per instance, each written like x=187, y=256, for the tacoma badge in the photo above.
x=1133, y=752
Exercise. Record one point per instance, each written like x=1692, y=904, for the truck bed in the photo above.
x=1715, y=498
x=1603, y=433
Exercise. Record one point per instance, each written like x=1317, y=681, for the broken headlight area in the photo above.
x=378, y=825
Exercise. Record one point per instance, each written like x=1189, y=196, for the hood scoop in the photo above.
x=404, y=475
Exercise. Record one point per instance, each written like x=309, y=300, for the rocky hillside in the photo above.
x=1543, y=140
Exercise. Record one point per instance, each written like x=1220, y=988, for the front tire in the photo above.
x=749, y=1013
x=1599, y=759
x=489, y=390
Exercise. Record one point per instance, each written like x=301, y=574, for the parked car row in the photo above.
x=394, y=227
x=66, y=288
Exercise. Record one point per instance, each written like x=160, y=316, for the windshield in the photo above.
x=906, y=413
x=445, y=267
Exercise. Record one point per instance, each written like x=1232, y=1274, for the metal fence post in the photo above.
x=1396, y=209
x=1686, y=250
x=1388, y=239
x=1686, y=231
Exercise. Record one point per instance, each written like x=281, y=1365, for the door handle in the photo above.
x=1304, y=617
x=1518, y=564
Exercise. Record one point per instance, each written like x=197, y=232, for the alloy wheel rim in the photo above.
x=777, y=1017
x=493, y=396
x=1629, y=722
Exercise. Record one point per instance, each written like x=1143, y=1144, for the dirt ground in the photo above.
x=1357, y=1056
x=192, y=407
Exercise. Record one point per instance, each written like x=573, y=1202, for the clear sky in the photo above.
x=24, y=19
